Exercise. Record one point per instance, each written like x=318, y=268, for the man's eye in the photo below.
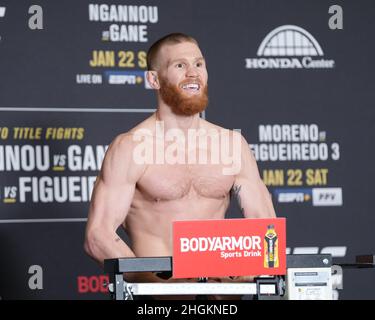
x=199, y=64
x=179, y=65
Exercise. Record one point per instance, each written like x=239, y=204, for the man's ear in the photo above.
x=153, y=79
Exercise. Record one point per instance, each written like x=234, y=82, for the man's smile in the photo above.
x=191, y=87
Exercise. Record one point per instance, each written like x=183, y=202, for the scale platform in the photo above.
x=308, y=277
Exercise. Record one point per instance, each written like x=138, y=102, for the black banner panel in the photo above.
x=73, y=77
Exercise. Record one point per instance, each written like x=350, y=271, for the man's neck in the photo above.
x=173, y=121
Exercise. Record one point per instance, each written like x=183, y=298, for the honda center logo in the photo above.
x=289, y=47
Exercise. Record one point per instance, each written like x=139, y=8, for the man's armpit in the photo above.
x=236, y=193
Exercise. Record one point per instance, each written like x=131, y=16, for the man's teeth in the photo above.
x=193, y=86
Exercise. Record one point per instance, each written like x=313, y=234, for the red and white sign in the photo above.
x=229, y=247
x=92, y=284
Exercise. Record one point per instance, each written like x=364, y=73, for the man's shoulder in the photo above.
x=120, y=157
x=209, y=125
x=128, y=139
x=122, y=141
x=212, y=126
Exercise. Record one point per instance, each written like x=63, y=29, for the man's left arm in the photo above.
x=250, y=191
x=253, y=198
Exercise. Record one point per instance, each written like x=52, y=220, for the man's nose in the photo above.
x=192, y=71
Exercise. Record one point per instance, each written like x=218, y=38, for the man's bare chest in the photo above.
x=172, y=182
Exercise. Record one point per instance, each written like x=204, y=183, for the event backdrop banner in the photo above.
x=296, y=80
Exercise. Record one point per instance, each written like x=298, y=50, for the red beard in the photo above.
x=180, y=103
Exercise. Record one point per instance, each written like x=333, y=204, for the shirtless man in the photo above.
x=145, y=198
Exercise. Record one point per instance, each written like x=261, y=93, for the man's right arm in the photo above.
x=111, y=199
